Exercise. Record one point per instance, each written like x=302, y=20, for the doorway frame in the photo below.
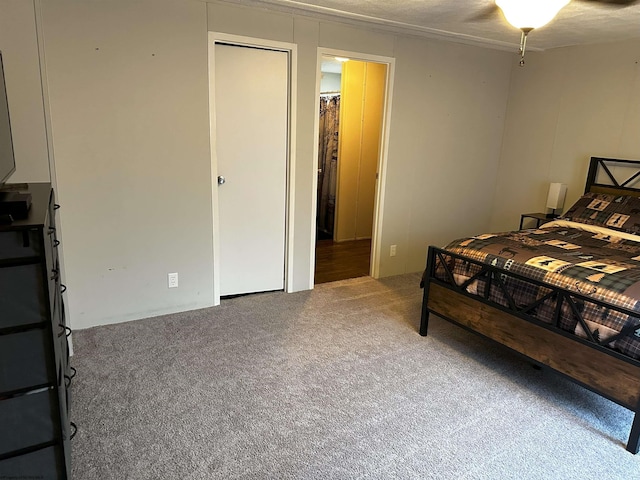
x=376, y=245
x=292, y=52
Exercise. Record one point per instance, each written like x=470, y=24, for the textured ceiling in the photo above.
x=580, y=22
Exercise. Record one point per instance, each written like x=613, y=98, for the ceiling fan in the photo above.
x=528, y=15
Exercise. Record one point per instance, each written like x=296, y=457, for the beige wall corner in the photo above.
x=565, y=106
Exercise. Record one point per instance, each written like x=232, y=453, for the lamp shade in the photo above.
x=529, y=14
x=557, y=192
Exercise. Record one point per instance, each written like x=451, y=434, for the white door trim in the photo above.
x=382, y=160
x=291, y=49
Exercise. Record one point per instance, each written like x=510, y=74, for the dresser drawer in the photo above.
x=62, y=355
x=51, y=263
x=44, y=464
x=24, y=298
x=31, y=419
x=23, y=360
x=55, y=287
x=55, y=300
x=51, y=241
x=20, y=244
x=63, y=394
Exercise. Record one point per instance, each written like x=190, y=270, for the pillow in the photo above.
x=620, y=212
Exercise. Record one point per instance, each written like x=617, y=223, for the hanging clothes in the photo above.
x=328, y=163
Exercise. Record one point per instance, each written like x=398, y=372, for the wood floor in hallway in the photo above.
x=339, y=261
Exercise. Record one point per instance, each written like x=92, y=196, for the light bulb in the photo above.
x=530, y=14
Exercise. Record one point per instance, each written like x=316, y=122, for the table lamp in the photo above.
x=555, y=198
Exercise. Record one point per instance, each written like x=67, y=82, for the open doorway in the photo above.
x=350, y=141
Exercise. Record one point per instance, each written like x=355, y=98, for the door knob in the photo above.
x=221, y=180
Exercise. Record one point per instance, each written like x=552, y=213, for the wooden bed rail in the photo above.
x=496, y=277
x=585, y=361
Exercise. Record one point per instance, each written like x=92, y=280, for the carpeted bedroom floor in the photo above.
x=334, y=383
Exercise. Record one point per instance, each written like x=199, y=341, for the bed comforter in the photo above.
x=596, y=262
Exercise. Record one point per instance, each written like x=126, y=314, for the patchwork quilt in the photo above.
x=595, y=261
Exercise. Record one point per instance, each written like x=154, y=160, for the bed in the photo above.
x=565, y=295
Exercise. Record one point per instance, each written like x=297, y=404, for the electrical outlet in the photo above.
x=172, y=280
x=392, y=251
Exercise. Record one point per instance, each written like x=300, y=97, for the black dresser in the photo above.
x=35, y=375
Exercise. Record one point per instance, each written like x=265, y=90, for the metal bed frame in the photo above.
x=586, y=361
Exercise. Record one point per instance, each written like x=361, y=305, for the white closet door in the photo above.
x=251, y=107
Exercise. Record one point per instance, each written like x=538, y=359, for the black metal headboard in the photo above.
x=613, y=176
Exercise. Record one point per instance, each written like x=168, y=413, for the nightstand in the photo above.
x=538, y=217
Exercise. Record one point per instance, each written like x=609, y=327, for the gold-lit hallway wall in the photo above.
x=361, y=109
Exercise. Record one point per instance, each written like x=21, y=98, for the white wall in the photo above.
x=128, y=88
x=128, y=85
x=448, y=118
x=565, y=106
x=18, y=43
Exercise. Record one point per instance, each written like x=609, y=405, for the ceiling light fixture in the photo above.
x=342, y=59
x=529, y=14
